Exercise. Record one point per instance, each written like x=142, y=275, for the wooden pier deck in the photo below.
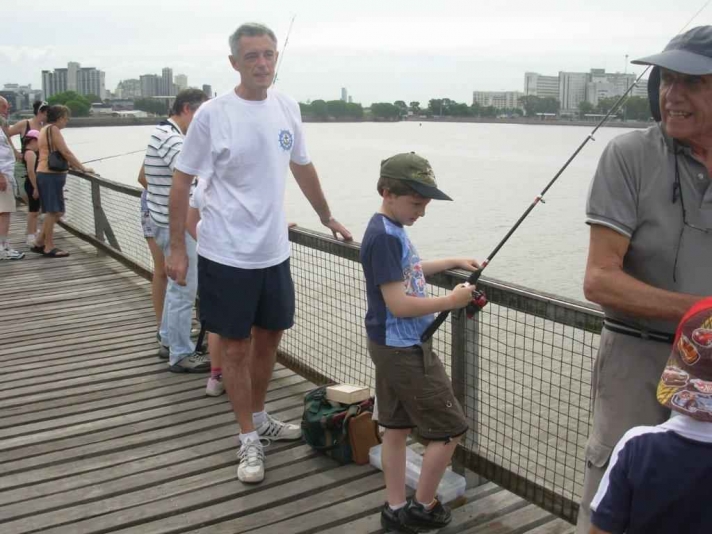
x=97, y=436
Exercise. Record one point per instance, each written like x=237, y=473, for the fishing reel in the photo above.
x=479, y=301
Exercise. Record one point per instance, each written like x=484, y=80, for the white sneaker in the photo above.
x=30, y=241
x=11, y=254
x=277, y=430
x=252, y=462
x=215, y=387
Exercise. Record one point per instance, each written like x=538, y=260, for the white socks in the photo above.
x=259, y=418
x=250, y=436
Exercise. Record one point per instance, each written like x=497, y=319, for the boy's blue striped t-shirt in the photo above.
x=387, y=255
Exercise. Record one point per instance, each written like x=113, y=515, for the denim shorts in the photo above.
x=233, y=300
x=51, y=186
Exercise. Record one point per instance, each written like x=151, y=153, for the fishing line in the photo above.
x=284, y=49
x=472, y=308
x=116, y=156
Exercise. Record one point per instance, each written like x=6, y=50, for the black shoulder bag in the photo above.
x=56, y=161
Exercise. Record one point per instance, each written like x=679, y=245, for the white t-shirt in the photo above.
x=7, y=154
x=241, y=150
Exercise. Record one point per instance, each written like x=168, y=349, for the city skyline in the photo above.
x=380, y=51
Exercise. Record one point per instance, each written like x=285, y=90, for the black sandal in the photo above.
x=55, y=253
x=37, y=249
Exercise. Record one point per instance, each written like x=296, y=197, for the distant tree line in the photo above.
x=78, y=104
x=335, y=109
x=636, y=108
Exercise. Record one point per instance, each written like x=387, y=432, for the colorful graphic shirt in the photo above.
x=657, y=480
x=387, y=255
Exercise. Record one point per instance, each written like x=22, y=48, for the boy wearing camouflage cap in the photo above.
x=412, y=388
x=659, y=477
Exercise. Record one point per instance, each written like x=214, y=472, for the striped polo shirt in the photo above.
x=162, y=153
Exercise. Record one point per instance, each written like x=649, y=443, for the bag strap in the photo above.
x=49, y=138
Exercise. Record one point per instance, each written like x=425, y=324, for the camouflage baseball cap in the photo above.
x=416, y=170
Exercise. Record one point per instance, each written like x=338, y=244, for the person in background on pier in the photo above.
x=21, y=128
x=159, y=281
x=650, y=216
x=164, y=147
x=412, y=386
x=658, y=475
x=215, y=386
x=7, y=197
x=30, y=160
x=242, y=143
x=50, y=182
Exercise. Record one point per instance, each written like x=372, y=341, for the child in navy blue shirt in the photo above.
x=412, y=387
x=659, y=477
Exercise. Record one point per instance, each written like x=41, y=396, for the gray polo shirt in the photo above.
x=632, y=193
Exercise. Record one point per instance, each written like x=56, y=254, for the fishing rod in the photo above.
x=478, y=301
x=115, y=156
x=284, y=49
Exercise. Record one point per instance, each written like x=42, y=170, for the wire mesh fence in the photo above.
x=521, y=368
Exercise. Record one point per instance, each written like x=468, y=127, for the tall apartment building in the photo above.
x=208, y=90
x=150, y=85
x=572, y=90
x=181, y=82
x=166, y=87
x=344, y=94
x=83, y=80
x=609, y=85
x=497, y=99
x=536, y=84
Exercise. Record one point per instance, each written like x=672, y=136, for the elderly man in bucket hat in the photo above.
x=659, y=475
x=650, y=216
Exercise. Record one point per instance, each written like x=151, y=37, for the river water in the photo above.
x=493, y=171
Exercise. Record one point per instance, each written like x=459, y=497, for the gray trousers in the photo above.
x=624, y=385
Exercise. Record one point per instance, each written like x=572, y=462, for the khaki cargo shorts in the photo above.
x=414, y=391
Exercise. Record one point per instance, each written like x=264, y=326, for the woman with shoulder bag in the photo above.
x=55, y=161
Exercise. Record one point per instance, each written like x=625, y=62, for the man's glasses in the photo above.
x=677, y=193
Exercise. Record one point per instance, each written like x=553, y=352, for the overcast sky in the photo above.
x=380, y=51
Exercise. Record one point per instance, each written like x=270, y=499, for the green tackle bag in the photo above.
x=325, y=424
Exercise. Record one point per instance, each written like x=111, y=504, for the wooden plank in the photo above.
x=108, y=325
x=284, y=485
x=557, y=526
x=169, y=415
x=151, y=486
x=278, y=518
x=55, y=456
x=145, y=457
x=78, y=339
x=513, y=522
x=131, y=387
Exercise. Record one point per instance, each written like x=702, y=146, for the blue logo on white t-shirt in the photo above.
x=286, y=139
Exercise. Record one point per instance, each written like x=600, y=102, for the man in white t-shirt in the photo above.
x=241, y=145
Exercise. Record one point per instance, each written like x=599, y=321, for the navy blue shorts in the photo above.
x=233, y=300
x=51, y=186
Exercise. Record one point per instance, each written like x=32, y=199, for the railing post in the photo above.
x=101, y=224
x=459, y=381
x=98, y=213
x=465, y=349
